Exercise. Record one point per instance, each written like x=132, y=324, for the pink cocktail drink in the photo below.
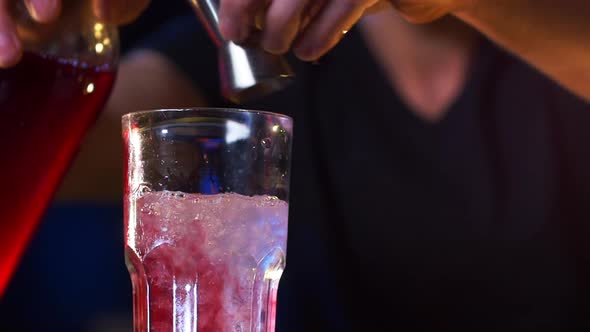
x=206, y=209
x=211, y=263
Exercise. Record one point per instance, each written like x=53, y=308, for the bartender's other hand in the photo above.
x=309, y=27
x=424, y=11
x=46, y=11
x=313, y=27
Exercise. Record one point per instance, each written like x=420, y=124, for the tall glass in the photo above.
x=206, y=217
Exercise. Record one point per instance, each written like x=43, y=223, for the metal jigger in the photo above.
x=246, y=70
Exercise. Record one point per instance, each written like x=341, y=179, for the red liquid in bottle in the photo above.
x=46, y=107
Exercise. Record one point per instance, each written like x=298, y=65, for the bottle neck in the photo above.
x=76, y=34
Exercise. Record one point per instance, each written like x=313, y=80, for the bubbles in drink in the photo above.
x=141, y=190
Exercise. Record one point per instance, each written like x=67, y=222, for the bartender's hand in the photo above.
x=46, y=11
x=313, y=27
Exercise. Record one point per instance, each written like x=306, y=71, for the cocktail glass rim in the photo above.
x=228, y=110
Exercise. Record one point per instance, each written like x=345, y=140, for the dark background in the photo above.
x=159, y=12
x=73, y=276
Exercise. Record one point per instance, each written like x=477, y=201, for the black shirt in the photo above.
x=479, y=222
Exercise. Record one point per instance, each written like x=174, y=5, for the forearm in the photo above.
x=553, y=36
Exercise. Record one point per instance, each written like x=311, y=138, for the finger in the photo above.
x=10, y=45
x=119, y=11
x=236, y=18
x=43, y=11
x=281, y=25
x=326, y=30
x=312, y=10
